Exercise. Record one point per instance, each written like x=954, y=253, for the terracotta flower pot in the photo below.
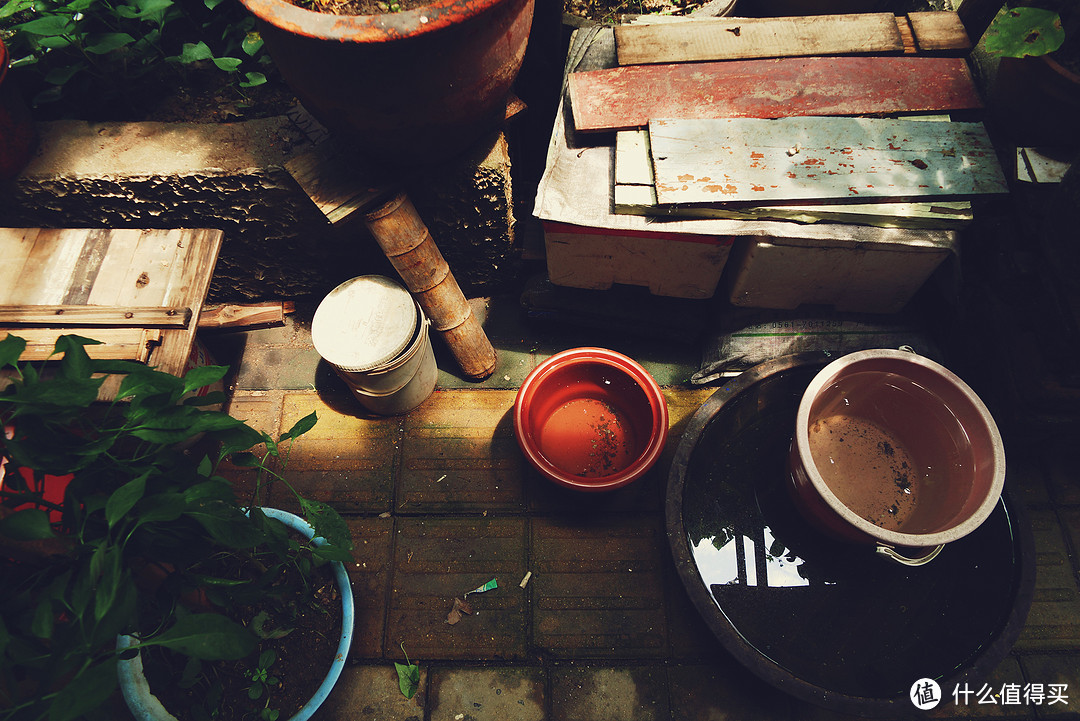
x=590, y=419
x=17, y=137
x=411, y=87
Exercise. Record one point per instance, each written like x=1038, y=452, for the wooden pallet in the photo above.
x=137, y=291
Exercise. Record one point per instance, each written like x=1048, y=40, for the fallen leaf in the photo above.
x=460, y=607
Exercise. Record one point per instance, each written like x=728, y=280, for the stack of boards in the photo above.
x=867, y=119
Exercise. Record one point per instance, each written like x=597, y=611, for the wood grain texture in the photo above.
x=744, y=38
x=121, y=269
x=628, y=97
x=939, y=32
x=94, y=315
x=820, y=159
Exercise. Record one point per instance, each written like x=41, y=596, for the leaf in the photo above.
x=123, y=499
x=229, y=65
x=46, y=25
x=60, y=76
x=254, y=79
x=408, y=678
x=252, y=43
x=12, y=346
x=327, y=522
x=14, y=6
x=258, y=626
x=103, y=43
x=206, y=636
x=267, y=658
x=87, y=691
x=330, y=552
x=202, y=376
x=30, y=524
x=193, y=52
x=301, y=427
x=1024, y=31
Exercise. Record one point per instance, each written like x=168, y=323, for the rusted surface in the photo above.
x=628, y=97
x=749, y=160
x=406, y=88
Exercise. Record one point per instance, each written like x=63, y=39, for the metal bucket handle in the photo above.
x=891, y=554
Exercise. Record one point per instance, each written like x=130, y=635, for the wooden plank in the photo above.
x=820, y=159
x=944, y=215
x=627, y=97
x=117, y=343
x=939, y=32
x=46, y=272
x=333, y=183
x=17, y=243
x=223, y=316
x=94, y=315
x=635, y=194
x=745, y=38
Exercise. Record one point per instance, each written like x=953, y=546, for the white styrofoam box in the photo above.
x=878, y=276
x=680, y=265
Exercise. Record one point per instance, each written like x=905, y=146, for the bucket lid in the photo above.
x=364, y=323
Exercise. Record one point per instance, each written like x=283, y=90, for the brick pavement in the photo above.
x=440, y=500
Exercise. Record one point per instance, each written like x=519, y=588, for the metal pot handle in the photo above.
x=891, y=554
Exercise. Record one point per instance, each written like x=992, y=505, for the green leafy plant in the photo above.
x=99, y=50
x=408, y=675
x=136, y=539
x=1025, y=32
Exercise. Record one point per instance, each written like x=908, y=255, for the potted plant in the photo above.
x=1037, y=88
x=403, y=82
x=114, y=520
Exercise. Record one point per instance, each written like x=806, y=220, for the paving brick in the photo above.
x=285, y=368
x=1025, y=477
x=724, y=691
x=689, y=637
x=345, y=460
x=1059, y=670
x=1064, y=478
x=603, y=693
x=598, y=586
x=370, y=576
x=990, y=698
x=371, y=693
x=262, y=411
x=459, y=455
x=487, y=694
x=1054, y=620
x=438, y=559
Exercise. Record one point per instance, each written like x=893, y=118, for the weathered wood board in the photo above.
x=628, y=97
x=744, y=38
x=635, y=194
x=93, y=316
x=127, y=268
x=820, y=159
x=939, y=31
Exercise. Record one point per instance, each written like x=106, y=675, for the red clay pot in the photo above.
x=590, y=419
x=17, y=137
x=412, y=87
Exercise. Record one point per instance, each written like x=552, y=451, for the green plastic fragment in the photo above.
x=486, y=587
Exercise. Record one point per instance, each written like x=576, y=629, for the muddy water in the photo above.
x=588, y=437
x=866, y=467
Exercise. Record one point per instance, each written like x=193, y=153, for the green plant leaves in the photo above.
x=123, y=499
x=87, y=691
x=30, y=524
x=102, y=43
x=408, y=678
x=327, y=523
x=206, y=636
x=1024, y=32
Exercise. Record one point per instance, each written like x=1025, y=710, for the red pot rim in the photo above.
x=3, y=60
x=385, y=27
x=863, y=527
x=613, y=359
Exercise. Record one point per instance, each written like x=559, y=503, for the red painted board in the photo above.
x=628, y=97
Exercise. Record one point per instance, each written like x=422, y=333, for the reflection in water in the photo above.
x=736, y=559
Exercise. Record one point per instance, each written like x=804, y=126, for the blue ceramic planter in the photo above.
x=145, y=706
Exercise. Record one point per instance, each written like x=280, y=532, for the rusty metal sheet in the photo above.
x=628, y=97
x=749, y=160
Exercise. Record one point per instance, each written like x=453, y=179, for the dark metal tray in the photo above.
x=828, y=621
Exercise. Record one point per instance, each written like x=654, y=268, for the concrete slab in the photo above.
x=1054, y=620
x=487, y=694
x=724, y=691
